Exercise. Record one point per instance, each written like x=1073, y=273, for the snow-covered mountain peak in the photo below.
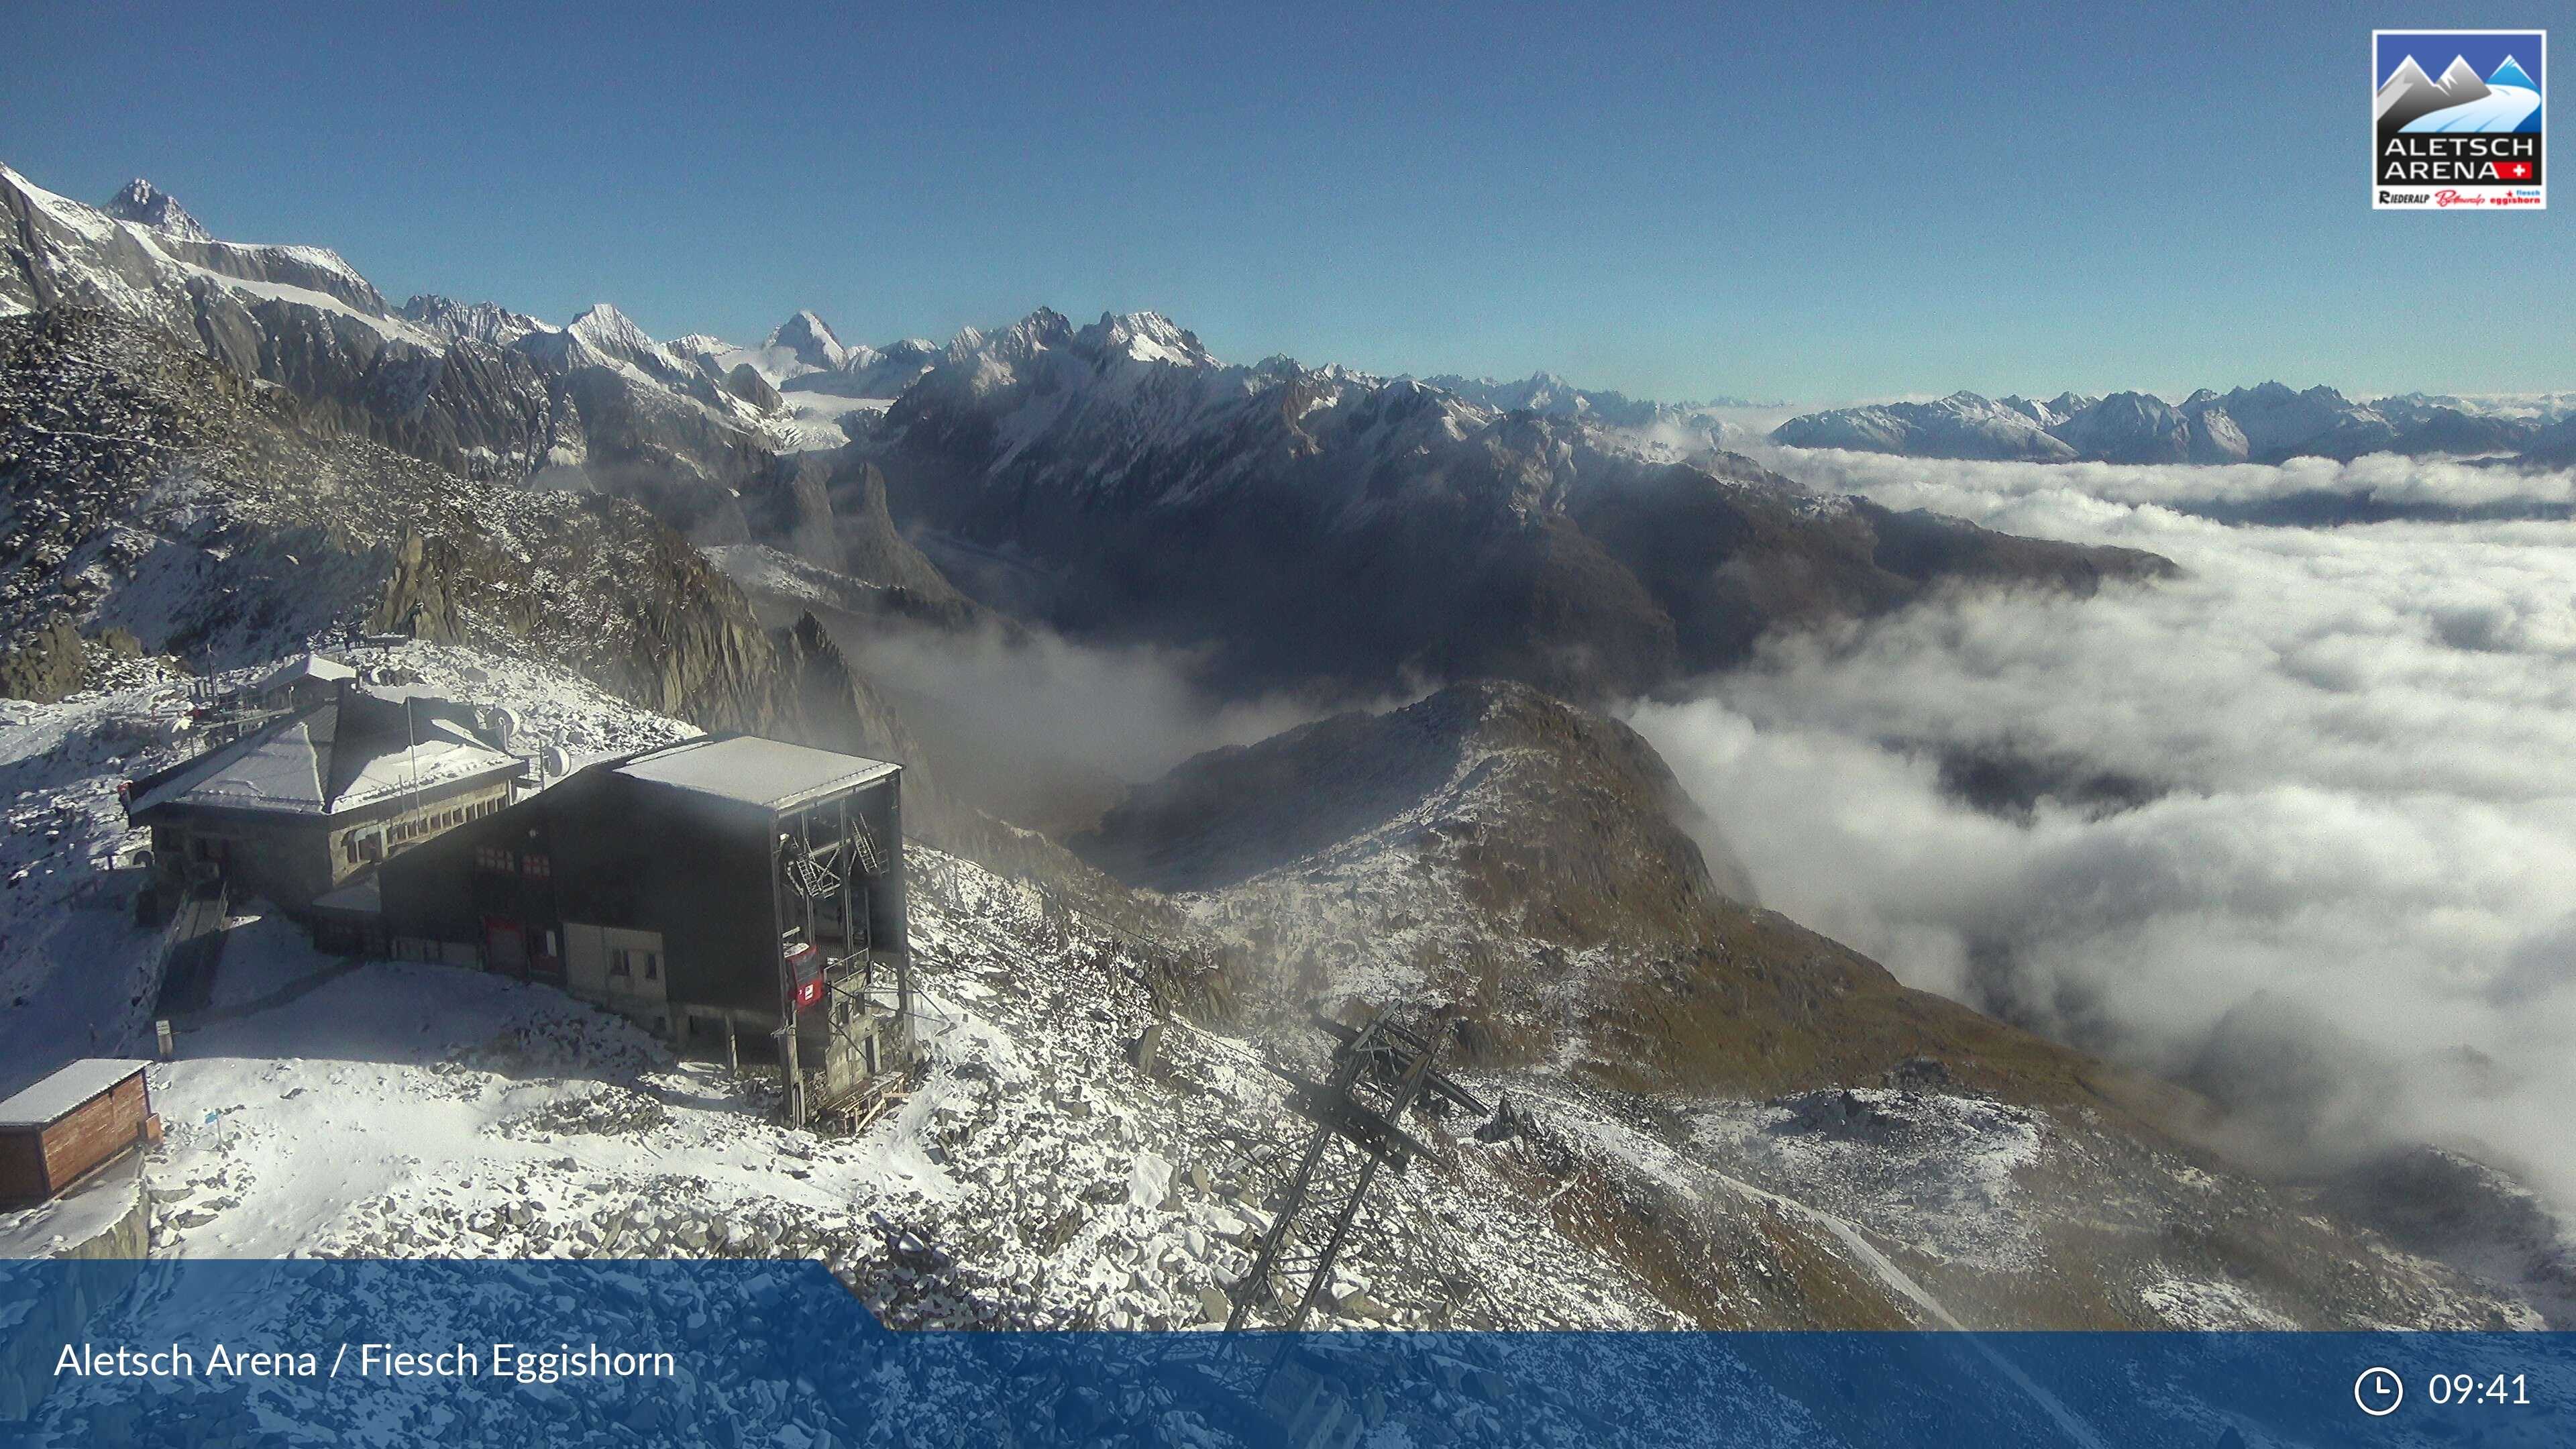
x=484, y=322
x=812, y=341
x=1041, y=331
x=1144, y=337
x=147, y=205
x=611, y=331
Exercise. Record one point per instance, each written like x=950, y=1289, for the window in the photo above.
x=629, y=963
x=620, y=963
x=536, y=867
x=495, y=858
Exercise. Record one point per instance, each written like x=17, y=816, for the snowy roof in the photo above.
x=340, y=755
x=311, y=666
x=50, y=1100
x=772, y=774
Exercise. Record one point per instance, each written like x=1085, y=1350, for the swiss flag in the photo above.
x=2513, y=170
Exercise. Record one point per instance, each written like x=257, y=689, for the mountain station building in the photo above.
x=719, y=891
x=336, y=781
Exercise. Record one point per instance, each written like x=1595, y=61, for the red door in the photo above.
x=505, y=946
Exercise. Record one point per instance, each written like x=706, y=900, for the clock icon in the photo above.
x=2379, y=1391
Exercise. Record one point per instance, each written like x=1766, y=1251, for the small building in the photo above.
x=67, y=1126
x=303, y=682
x=728, y=893
x=305, y=802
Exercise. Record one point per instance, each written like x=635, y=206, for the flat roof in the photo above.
x=52, y=1099
x=311, y=666
x=749, y=770
x=316, y=764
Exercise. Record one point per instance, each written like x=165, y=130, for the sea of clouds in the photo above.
x=2349, y=910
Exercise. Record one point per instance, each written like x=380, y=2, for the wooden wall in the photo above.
x=37, y=1164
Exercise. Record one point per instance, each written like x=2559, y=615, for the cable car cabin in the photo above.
x=717, y=892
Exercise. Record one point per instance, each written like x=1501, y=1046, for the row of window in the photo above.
x=360, y=845
x=632, y=964
x=502, y=860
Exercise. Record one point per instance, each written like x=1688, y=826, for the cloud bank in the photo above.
x=2348, y=908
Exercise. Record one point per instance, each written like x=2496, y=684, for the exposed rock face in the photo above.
x=2451, y=1207
x=745, y=382
x=875, y=550
x=156, y=491
x=142, y=202
x=44, y=663
x=1316, y=527
x=484, y=322
x=791, y=508
x=470, y=387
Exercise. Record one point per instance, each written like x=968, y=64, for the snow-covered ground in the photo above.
x=77, y=973
x=809, y=422
x=1031, y=1175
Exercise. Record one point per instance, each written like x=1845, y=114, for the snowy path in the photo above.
x=2500, y=109
x=1903, y=1284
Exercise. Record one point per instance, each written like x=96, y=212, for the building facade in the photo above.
x=322, y=794
x=735, y=894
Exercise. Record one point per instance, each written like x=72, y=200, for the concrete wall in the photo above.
x=643, y=994
x=104, y=1230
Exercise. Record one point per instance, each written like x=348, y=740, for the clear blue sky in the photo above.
x=1673, y=201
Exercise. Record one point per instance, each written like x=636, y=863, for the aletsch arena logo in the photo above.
x=2466, y=135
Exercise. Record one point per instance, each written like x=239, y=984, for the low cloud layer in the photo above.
x=1048, y=731
x=2349, y=908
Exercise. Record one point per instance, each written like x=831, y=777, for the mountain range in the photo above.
x=214, y=456
x=2269, y=423
x=1310, y=528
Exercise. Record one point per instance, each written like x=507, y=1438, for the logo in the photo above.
x=2465, y=136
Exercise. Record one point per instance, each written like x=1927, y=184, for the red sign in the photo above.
x=809, y=992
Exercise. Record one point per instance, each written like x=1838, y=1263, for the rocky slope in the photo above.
x=472, y=388
x=1518, y=858
x=152, y=491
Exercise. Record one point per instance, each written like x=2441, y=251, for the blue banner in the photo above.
x=733, y=1353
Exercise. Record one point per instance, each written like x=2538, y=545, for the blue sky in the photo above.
x=1674, y=201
